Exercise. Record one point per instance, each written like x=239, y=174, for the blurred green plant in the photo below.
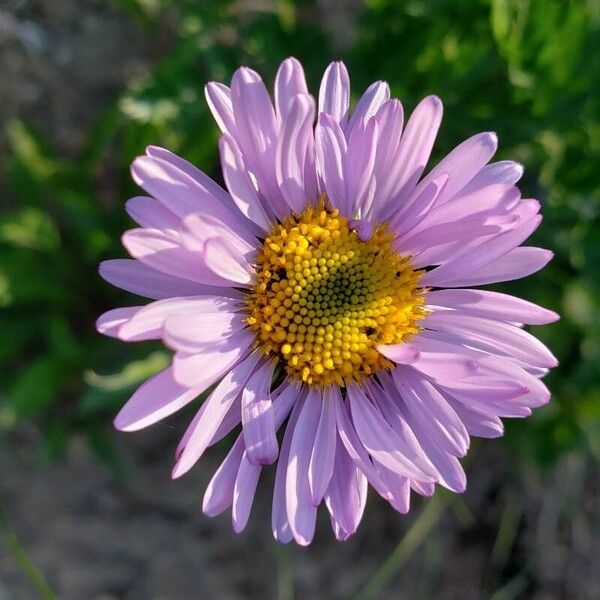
x=50, y=293
x=524, y=68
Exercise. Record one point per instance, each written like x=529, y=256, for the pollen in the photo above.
x=323, y=299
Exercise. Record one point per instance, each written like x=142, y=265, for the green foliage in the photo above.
x=50, y=244
x=527, y=69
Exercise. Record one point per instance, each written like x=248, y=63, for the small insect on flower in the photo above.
x=328, y=293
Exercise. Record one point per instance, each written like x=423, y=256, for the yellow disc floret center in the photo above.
x=323, y=299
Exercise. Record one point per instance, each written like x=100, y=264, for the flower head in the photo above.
x=328, y=293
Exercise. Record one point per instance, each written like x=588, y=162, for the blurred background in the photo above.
x=85, y=85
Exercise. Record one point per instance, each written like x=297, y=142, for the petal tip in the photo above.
x=519, y=169
x=435, y=101
x=238, y=527
x=245, y=75
x=293, y=61
x=491, y=137
x=121, y=423
x=178, y=469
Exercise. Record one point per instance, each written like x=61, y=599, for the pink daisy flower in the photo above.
x=328, y=296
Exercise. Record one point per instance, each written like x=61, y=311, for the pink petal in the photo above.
x=346, y=493
x=279, y=519
x=392, y=407
x=409, y=216
x=331, y=151
x=340, y=533
x=479, y=256
x=363, y=228
x=441, y=362
x=240, y=185
x=202, y=431
x=462, y=164
x=414, y=150
x=455, y=242
x=138, y=278
x=198, y=228
x=183, y=194
x=244, y=490
x=429, y=408
x=230, y=421
x=149, y=212
x=503, y=171
x=354, y=446
x=334, y=93
x=322, y=458
x=374, y=97
x=157, y=398
x=424, y=489
x=492, y=305
x=358, y=168
x=226, y=263
x=440, y=243
x=219, y=492
x=514, y=408
x=151, y=318
x=515, y=264
x=493, y=200
x=399, y=487
x=257, y=130
x=537, y=393
x=390, y=119
x=449, y=472
x=300, y=509
x=503, y=337
x=477, y=423
x=184, y=166
x=110, y=322
x=486, y=388
x=295, y=139
x=164, y=253
x=289, y=82
x=218, y=98
x=203, y=369
x=284, y=399
x=381, y=441
x=243, y=493
x=258, y=417
x=197, y=332
x=403, y=354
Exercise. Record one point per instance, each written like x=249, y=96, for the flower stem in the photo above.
x=18, y=552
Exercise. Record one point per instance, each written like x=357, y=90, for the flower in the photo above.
x=330, y=289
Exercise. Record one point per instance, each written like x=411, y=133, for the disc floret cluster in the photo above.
x=324, y=299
